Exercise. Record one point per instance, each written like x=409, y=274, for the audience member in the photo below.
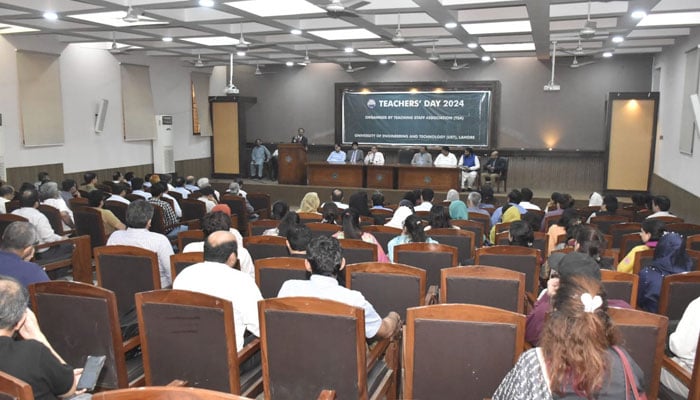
x=445, y=158
x=42, y=177
x=325, y=262
x=520, y=234
x=204, y=183
x=452, y=195
x=286, y=223
x=89, y=181
x=352, y=230
x=566, y=219
x=488, y=201
x=128, y=177
x=413, y=232
x=596, y=200
x=669, y=258
x=49, y=195
x=337, y=156
x=494, y=168
x=510, y=214
x=69, y=190
x=556, y=206
x=422, y=157
x=337, y=198
x=399, y=217
x=374, y=157
x=526, y=200
x=469, y=164
x=180, y=187
x=172, y=222
x=651, y=232
x=310, y=203
x=578, y=356
x=683, y=343
x=235, y=190
x=206, y=196
x=413, y=197
x=426, y=200
x=514, y=199
x=16, y=252
x=119, y=193
x=96, y=200
x=355, y=155
x=279, y=209
x=298, y=238
x=301, y=139
x=609, y=207
x=660, y=206
x=190, y=184
x=591, y=241
x=474, y=203
x=378, y=202
x=117, y=177
x=458, y=210
x=138, y=185
x=439, y=218
x=7, y=193
x=359, y=202
x=138, y=219
x=330, y=213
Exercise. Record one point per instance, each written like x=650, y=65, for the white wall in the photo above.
x=679, y=169
x=88, y=75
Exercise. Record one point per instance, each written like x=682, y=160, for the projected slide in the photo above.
x=453, y=118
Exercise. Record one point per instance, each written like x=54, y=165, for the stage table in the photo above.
x=381, y=176
x=330, y=174
x=437, y=178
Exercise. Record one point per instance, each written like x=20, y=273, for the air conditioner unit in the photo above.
x=163, y=153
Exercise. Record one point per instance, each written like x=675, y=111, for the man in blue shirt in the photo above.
x=337, y=156
x=258, y=157
x=16, y=250
x=514, y=198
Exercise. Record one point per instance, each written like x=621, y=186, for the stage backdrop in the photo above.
x=413, y=116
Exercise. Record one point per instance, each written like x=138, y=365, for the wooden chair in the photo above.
x=289, y=327
x=373, y=278
x=644, y=337
x=691, y=381
x=158, y=223
x=126, y=270
x=323, y=229
x=192, y=209
x=189, y=236
x=550, y=220
x=617, y=231
x=641, y=215
x=12, y=205
x=364, y=220
x=133, y=197
x=483, y=219
x=677, y=291
x=487, y=286
x=381, y=216
x=642, y=259
x=463, y=240
x=684, y=229
x=80, y=260
x=502, y=227
x=309, y=217
x=382, y=233
x=14, y=389
x=611, y=257
x=55, y=219
x=540, y=242
x=436, y=353
x=358, y=251
x=423, y=214
x=620, y=286
x=585, y=212
x=180, y=261
x=117, y=208
x=88, y=221
x=604, y=222
x=256, y=228
x=670, y=220
x=166, y=393
x=431, y=257
x=692, y=242
x=628, y=242
x=176, y=195
x=266, y=246
x=472, y=226
x=272, y=272
x=7, y=219
x=77, y=202
x=191, y=336
x=79, y=320
x=260, y=203
x=520, y=259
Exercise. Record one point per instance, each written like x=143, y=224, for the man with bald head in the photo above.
x=216, y=276
x=494, y=167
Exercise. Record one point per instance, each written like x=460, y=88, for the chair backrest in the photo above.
x=502, y=227
x=308, y=217
x=126, y=270
x=260, y=203
x=483, y=219
x=158, y=221
x=256, y=228
x=642, y=259
x=180, y=261
x=605, y=221
x=618, y=230
x=472, y=226
x=165, y=393
x=627, y=242
x=77, y=202
x=540, y=242
x=431, y=257
x=176, y=195
x=192, y=209
x=54, y=216
x=693, y=242
x=266, y=246
x=670, y=220
x=12, y=388
x=7, y=219
x=134, y=197
x=188, y=336
x=117, y=208
x=463, y=240
x=550, y=220
x=382, y=233
x=644, y=337
x=323, y=229
x=620, y=285
x=381, y=216
x=271, y=273
x=79, y=320
x=610, y=257
x=677, y=291
x=289, y=328
x=88, y=221
x=585, y=212
x=357, y=251
x=189, y=236
x=521, y=259
x=436, y=353
x=487, y=286
x=683, y=228
x=373, y=278
x=238, y=207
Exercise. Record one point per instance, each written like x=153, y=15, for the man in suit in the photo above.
x=300, y=138
x=495, y=166
x=422, y=158
x=355, y=155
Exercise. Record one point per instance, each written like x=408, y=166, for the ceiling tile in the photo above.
x=649, y=32
x=581, y=8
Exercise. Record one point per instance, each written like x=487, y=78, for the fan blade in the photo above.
x=358, y=69
x=355, y=5
x=581, y=64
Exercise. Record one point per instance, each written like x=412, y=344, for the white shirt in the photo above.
x=424, y=206
x=3, y=201
x=448, y=160
x=142, y=193
x=116, y=197
x=325, y=287
x=176, y=205
x=683, y=342
x=40, y=222
x=220, y=280
x=661, y=214
x=210, y=204
x=184, y=192
x=61, y=205
x=148, y=240
x=529, y=206
x=376, y=158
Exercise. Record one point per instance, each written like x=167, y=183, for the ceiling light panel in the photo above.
x=505, y=39
x=6, y=28
x=470, y=2
x=389, y=5
x=684, y=18
x=641, y=33
x=55, y=5
x=577, y=24
x=647, y=42
x=320, y=23
x=387, y=51
x=213, y=40
x=114, y=18
x=636, y=50
x=498, y=27
x=581, y=8
x=673, y=5
x=508, y=47
x=40, y=23
x=406, y=19
x=276, y=8
x=195, y=14
x=491, y=14
x=345, y=34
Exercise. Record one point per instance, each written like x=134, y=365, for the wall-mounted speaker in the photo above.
x=101, y=115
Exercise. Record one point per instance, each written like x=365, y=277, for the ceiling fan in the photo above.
x=338, y=8
x=578, y=64
x=433, y=56
x=350, y=69
x=399, y=39
x=133, y=15
x=258, y=71
x=244, y=45
x=457, y=67
x=589, y=28
x=199, y=63
x=231, y=89
x=116, y=49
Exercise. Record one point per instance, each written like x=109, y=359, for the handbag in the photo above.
x=630, y=381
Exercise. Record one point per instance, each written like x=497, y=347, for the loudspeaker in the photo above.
x=100, y=116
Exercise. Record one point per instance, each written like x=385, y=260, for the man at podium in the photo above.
x=301, y=139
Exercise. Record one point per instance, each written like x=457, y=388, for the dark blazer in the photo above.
x=499, y=165
x=304, y=141
x=359, y=159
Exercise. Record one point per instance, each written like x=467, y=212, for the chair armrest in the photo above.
x=263, y=213
x=376, y=351
x=80, y=259
x=676, y=370
x=131, y=343
x=326, y=395
x=432, y=296
x=248, y=350
x=177, y=383
x=191, y=223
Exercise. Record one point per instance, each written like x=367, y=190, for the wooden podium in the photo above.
x=292, y=164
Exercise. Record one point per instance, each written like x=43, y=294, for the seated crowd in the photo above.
x=567, y=319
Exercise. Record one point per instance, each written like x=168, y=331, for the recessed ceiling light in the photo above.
x=289, y=63
x=509, y=47
x=618, y=39
x=385, y=51
x=240, y=53
x=485, y=58
x=213, y=40
x=607, y=54
x=275, y=8
x=167, y=39
x=678, y=18
x=472, y=45
x=451, y=25
x=206, y=3
x=383, y=61
x=349, y=49
x=639, y=14
x=498, y=27
x=295, y=31
x=50, y=15
x=344, y=34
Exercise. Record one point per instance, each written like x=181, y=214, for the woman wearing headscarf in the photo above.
x=310, y=203
x=399, y=217
x=596, y=200
x=669, y=258
x=458, y=210
x=510, y=214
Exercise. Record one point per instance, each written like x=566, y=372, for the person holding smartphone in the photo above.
x=32, y=360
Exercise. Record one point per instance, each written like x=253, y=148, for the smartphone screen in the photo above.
x=91, y=372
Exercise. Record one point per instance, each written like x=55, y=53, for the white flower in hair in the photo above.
x=590, y=303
